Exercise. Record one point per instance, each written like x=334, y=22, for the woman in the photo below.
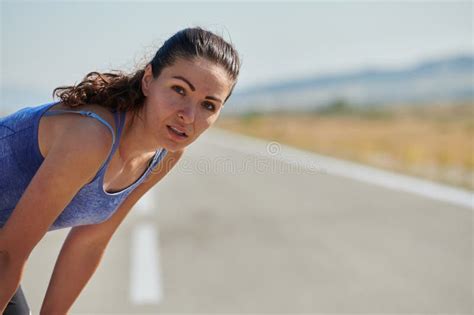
x=84, y=161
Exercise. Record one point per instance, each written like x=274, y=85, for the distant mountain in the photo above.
x=448, y=79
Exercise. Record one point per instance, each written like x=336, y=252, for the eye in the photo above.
x=209, y=106
x=178, y=89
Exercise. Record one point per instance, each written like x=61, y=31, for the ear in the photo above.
x=147, y=79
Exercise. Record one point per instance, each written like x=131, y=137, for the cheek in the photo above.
x=213, y=118
x=207, y=122
x=164, y=104
x=201, y=124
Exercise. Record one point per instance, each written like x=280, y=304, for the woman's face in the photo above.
x=187, y=97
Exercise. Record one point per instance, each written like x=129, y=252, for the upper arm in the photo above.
x=99, y=235
x=73, y=159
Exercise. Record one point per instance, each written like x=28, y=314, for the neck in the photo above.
x=133, y=146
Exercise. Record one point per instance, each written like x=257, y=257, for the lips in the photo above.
x=177, y=131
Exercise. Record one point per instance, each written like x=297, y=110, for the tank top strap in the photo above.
x=119, y=118
x=119, y=121
x=159, y=155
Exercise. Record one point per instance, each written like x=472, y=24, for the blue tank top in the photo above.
x=20, y=158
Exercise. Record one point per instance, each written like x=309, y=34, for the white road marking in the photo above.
x=145, y=273
x=325, y=164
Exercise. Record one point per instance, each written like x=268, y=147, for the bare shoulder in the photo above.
x=87, y=139
x=85, y=129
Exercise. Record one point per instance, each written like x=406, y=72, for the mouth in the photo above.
x=176, y=131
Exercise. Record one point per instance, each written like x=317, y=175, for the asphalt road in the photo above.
x=234, y=232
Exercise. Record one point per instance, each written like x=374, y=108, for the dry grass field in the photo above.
x=432, y=141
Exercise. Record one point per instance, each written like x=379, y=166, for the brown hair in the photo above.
x=123, y=92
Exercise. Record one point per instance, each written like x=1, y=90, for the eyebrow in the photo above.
x=194, y=89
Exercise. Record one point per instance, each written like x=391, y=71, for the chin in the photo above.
x=175, y=147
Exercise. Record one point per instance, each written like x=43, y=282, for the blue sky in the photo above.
x=45, y=44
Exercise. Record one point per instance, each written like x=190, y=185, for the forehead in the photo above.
x=202, y=73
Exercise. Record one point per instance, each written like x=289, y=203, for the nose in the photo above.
x=187, y=113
